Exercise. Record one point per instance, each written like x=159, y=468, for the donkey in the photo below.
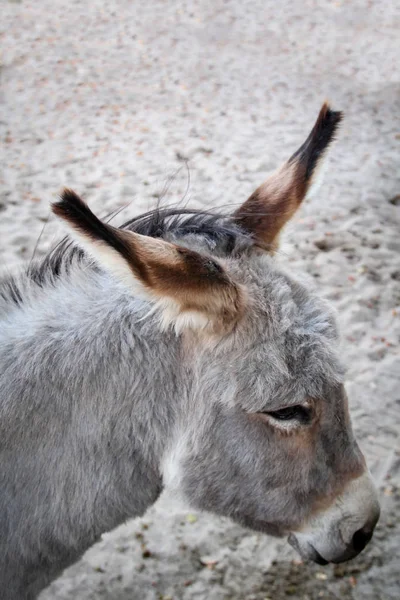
x=174, y=352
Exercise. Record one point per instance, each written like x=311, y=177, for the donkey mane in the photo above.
x=215, y=232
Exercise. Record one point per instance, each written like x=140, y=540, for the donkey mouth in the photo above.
x=318, y=558
x=309, y=554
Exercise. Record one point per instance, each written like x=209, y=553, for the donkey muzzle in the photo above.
x=343, y=531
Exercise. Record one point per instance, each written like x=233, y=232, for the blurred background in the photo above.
x=128, y=102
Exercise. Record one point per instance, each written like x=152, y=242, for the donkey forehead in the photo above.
x=291, y=335
x=290, y=331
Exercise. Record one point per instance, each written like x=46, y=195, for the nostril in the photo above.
x=361, y=539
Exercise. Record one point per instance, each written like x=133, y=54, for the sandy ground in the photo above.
x=111, y=98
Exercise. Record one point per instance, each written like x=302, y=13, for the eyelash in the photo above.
x=298, y=413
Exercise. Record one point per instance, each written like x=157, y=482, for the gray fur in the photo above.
x=94, y=396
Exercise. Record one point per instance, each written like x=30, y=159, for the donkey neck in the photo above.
x=99, y=381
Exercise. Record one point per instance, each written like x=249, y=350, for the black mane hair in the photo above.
x=217, y=230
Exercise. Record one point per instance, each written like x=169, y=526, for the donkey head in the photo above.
x=263, y=433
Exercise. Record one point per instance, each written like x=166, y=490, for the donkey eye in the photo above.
x=299, y=413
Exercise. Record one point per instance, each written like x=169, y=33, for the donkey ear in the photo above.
x=270, y=207
x=191, y=289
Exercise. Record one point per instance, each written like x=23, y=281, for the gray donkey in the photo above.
x=174, y=352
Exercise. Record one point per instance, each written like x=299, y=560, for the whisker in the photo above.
x=38, y=240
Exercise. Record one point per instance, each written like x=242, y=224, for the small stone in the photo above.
x=208, y=562
x=322, y=245
x=395, y=275
x=390, y=525
x=353, y=581
x=395, y=200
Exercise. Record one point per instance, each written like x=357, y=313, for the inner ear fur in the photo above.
x=191, y=287
x=271, y=206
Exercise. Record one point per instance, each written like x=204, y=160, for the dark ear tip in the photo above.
x=70, y=197
x=330, y=117
x=69, y=200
